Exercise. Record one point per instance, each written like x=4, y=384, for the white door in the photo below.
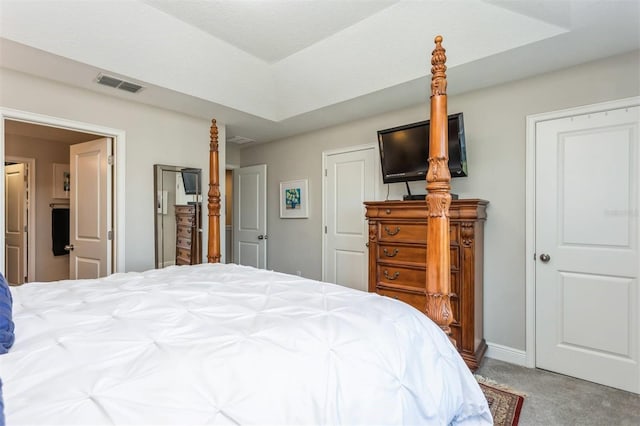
x=90, y=210
x=15, y=223
x=349, y=181
x=587, y=247
x=250, y=216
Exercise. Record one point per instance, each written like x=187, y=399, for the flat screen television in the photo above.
x=191, y=181
x=404, y=150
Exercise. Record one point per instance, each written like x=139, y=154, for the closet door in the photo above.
x=587, y=236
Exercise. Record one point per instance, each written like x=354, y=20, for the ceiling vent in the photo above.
x=239, y=140
x=127, y=86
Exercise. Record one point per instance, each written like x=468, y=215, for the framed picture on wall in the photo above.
x=294, y=199
x=61, y=180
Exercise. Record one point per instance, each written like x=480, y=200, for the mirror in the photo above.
x=178, y=215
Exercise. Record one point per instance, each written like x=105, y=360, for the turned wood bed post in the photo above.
x=213, y=249
x=438, y=305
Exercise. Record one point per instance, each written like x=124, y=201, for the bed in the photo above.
x=229, y=344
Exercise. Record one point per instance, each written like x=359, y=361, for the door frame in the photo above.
x=530, y=208
x=31, y=226
x=376, y=188
x=119, y=172
x=231, y=167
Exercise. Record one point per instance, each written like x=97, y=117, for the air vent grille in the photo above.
x=240, y=140
x=116, y=83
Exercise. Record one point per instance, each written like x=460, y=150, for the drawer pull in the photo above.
x=388, y=211
x=386, y=253
x=390, y=232
x=391, y=278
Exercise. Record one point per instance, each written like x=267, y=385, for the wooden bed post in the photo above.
x=438, y=305
x=213, y=251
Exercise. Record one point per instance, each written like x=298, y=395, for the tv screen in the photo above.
x=191, y=181
x=404, y=150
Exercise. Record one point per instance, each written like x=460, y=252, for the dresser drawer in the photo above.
x=395, y=275
x=402, y=253
x=409, y=232
x=183, y=256
x=183, y=243
x=184, y=220
x=184, y=232
x=186, y=210
x=414, y=254
x=416, y=300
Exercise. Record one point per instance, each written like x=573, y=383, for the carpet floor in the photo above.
x=554, y=399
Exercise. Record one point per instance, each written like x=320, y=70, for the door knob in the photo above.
x=68, y=247
x=262, y=237
x=545, y=257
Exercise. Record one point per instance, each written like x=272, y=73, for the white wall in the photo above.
x=495, y=130
x=153, y=136
x=233, y=154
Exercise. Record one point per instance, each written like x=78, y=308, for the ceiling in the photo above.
x=46, y=133
x=274, y=68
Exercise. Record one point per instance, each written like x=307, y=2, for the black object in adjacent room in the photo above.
x=59, y=230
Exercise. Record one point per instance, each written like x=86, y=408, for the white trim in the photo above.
x=325, y=154
x=119, y=138
x=530, y=207
x=31, y=232
x=506, y=354
x=349, y=149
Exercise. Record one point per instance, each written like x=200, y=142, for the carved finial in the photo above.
x=214, y=135
x=438, y=69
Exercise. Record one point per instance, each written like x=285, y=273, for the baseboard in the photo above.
x=506, y=354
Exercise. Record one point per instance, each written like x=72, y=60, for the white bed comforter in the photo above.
x=226, y=344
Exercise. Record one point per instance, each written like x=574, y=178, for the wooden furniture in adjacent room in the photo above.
x=188, y=239
x=397, y=263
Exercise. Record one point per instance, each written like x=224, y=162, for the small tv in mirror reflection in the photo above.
x=191, y=181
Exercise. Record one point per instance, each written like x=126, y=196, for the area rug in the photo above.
x=505, y=403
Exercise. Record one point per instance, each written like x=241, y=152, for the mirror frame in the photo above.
x=158, y=170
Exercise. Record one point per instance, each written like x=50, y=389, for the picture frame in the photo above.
x=294, y=199
x=61, y=181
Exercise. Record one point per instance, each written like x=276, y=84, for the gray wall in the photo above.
x=153, y=136
x=495, y=121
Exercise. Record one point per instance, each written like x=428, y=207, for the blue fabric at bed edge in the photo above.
x=6, y=330
x=6, y=323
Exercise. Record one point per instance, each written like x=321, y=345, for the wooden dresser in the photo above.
x=397, y=258
x=188, y=238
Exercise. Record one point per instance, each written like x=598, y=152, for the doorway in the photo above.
x=19, y=214
x=582, y=235
x=228, y=204
x=350, y=179
x=46, y=130
x=250, y=216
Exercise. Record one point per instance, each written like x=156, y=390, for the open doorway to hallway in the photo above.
x=37, y=213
